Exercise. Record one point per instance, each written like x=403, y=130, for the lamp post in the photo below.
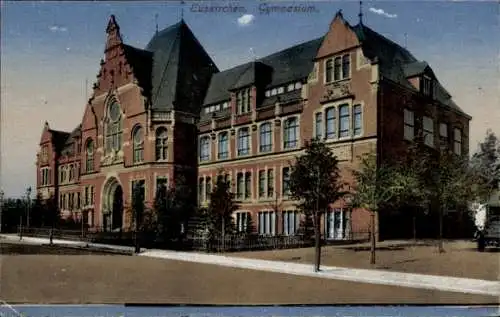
x=28, y=206
x=1, y=209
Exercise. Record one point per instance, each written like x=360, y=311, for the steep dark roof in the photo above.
x=141, y=62
x=397, y=63
x=291, y=64
x=59, y=138
x=173, y=50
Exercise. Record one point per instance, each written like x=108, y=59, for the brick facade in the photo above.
x=361, y=109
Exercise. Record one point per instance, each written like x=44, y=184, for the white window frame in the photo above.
x=298, y=144
x=286, y=223
x=266, y=220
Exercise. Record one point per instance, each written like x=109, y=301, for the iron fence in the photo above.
x=196, y=242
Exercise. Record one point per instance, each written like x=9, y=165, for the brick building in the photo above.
x=167, y=110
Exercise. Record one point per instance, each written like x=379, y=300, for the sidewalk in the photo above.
x=440, y=283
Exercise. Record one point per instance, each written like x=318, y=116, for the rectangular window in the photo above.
x=346, y=66
x=262, y=183
x=286, y=181
x=357, y=120
x=428, y=124
x=205, y=148
x=329, y=70
x=161, y=183
x=243, y=142
x=92, y=194
x=344, y=121
x=409, y=125
x=443, y=135
x=426, y=86
x=318, y=130
x=337, y=68
x=336, y=224
x=265, y=138
x=248, y=185
x=223, y=147
x=240, y=186
x=290, y=222
x=330, y=123
x=78, y=200
x=457, y=141
x=270, y=183
x=242, y=221
x=87, y=199
x=291, y=130
x=239, y=102
x=267, y=223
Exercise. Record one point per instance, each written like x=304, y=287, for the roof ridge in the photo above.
x=289, y=48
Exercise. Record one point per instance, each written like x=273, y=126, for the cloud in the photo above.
x=383, y=13
x=246, y=19
x=58, y=28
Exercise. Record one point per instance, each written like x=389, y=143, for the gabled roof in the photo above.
x=396, y=63
x=141, y=62
x=59, y=139
x=291, y=64
x=172, y=51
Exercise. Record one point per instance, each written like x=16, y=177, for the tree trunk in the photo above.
x=317, y=243
x=440, y=236
x=372, y=238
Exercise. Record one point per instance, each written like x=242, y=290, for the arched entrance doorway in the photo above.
x=112, y=207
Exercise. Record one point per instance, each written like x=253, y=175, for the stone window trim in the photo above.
x=336, y=106
x=161, y=144
x=240, y=218
x=266, y=222
x=205, y=143
x=329, y=67
x=239, y=130
x=113, y=125
x=298, y=143
x=89, y=155
x=290, y=228
x=227, y=153
x=269, y=187
x=244, y=186
x=266, y=148
x=137, y=144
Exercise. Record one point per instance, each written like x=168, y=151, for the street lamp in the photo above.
x=28, y=197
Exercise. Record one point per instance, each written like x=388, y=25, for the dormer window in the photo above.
x=243, y=101
x=268, y=93
x=281, y=90
x=290, y=87
x=274, y=92
x=426, y=86
x=225, y=105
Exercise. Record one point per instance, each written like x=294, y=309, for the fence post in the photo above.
x=20, y=231
x=51, y=236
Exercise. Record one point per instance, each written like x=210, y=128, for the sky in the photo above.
x=49, y=50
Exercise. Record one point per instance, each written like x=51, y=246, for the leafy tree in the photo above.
x=52, y=213
x=315, y=182
x=486, y=165
x=445, y=180
x=37, y=211
x=379, y=185
x=221, y=207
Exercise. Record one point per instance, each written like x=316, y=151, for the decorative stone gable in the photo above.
x=339, y=37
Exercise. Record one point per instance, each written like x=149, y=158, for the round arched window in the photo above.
x=138, y=135
x=114, y=111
